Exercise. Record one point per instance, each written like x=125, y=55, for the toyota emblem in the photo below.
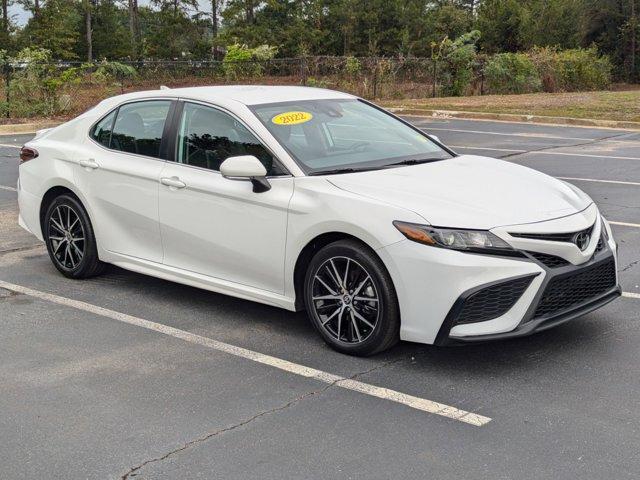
x=581, y=240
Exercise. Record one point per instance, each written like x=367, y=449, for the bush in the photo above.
x=242, y=61
x=353, y=66
x=456, y=59
x=108, y=72
x=511, y=73
x=577, y=69
x=583, y=69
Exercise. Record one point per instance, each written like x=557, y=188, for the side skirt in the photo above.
x=197, y=280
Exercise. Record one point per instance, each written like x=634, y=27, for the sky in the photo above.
x=20, y=16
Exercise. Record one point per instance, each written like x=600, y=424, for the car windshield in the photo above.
x=335, y=136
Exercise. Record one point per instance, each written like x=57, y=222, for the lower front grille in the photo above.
x=570, y=290
x=492, y=302
x=550, y=261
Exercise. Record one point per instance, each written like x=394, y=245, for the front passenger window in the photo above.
x=138, y=127
x=207, y=137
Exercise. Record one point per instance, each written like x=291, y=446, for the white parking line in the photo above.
x=9, y=145
x=417, y=403
x=10, y=189
x=619, y=182
x=487, y=148
x=631, y=295
x=588, y=155
x=625, y=224
x=545, y=152
x=504, y=134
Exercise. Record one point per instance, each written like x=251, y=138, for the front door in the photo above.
x=216, y=226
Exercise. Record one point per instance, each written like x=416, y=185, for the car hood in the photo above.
x=469, y=192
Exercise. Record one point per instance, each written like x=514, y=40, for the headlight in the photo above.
x=465, y=240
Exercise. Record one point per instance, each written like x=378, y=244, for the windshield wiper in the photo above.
x=365, y=169
x=336, y=171
x=413, y=162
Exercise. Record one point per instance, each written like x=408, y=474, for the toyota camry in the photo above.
x=316, y=200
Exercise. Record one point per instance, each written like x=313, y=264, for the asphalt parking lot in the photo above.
x=128, y=376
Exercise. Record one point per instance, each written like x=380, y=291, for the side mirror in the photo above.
x=434, y=137
x=246, y=167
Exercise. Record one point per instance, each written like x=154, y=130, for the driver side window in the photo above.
x=207, y=137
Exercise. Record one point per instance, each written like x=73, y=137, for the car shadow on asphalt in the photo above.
x=576, y=338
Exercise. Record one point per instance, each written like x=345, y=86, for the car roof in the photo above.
x=245, y=94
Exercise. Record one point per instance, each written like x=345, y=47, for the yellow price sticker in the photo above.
x=291, y=118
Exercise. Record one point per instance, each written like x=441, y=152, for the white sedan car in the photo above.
x=305, y=198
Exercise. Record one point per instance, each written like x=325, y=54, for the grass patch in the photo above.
x=608, y=105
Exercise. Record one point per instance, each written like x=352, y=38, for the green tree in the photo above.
x=57, y=28
x=500, y=22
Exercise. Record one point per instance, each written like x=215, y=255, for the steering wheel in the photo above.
x=360, y=145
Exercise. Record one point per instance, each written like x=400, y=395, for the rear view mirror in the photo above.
x=246, y=167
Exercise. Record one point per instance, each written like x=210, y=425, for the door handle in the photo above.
x=89, y=164
x=173, y=182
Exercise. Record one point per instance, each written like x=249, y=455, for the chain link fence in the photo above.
x=65, y=89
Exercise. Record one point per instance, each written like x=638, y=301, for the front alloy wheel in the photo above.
x=345, y=300
x=351, y=300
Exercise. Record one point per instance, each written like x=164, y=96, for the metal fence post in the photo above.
x=435, y=78
x=375, y=78
x=303, y=70
x=7, y=93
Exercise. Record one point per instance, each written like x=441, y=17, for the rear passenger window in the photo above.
x=101, y=132
x=138, y=127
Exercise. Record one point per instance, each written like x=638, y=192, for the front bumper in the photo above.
x=535, y=326
x=537, y=318
x=432, y=284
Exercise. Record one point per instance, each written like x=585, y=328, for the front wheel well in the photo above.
x=50, y=196
x=307, y=254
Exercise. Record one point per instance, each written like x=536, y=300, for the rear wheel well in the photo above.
x=307, y=254
x=49, y=197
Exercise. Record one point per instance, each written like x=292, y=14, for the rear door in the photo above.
x=120, y=177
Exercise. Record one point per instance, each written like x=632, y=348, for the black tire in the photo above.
x=72, y=257
x=354, y=337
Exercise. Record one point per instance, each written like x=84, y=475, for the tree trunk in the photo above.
x=134, y=28
x=214, y=18
x=5, y=16
x=634, y=32
x=87, y=23
x=36, y=8
x=248, y=7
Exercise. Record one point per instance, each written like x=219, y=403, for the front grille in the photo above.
x=550, y=261
x=553, y=237
x=567, y=291
x=494, y=301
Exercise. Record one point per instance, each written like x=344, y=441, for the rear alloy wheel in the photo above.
x=351, y=300
x=70, y=240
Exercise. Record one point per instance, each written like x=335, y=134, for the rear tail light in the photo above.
x=27, y=153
